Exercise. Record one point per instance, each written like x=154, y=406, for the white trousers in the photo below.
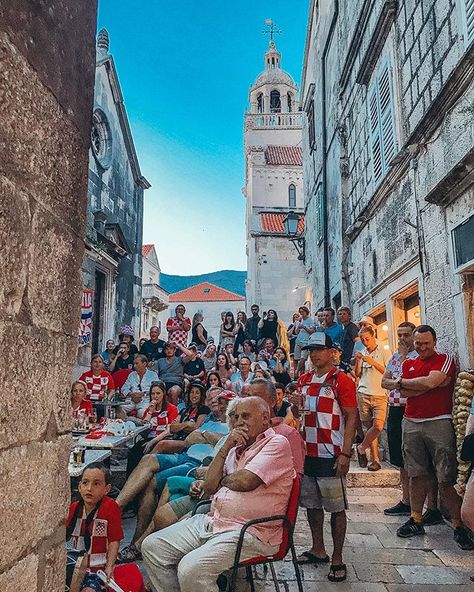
x=188, y=556
x=128, y=405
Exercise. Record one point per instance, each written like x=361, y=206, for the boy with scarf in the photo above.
x=94, y=525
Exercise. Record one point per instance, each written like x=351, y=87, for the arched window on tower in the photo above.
x=273, y=62
x=275, y=102
x=260, y=103
x=290, y=102
x=292, y=196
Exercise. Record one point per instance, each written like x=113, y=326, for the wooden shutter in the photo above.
x=469, y=20
x=382, y=123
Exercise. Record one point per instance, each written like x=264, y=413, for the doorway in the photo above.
x=98, y=312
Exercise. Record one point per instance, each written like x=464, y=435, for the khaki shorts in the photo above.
x=328, y=493
x=300, y=354
x=372, y=407
x=429, y=448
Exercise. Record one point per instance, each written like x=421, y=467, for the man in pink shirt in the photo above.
x=250, y=477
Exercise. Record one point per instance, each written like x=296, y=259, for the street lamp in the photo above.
x=291, y=229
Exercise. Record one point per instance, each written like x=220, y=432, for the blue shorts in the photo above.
x=92, y=580
x=173, y=465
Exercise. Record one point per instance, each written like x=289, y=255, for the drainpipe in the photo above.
x=327, y=298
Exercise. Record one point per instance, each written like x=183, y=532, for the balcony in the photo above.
x=155, y=297
x=273, y=120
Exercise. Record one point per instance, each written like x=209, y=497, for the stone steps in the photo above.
x=388, y=476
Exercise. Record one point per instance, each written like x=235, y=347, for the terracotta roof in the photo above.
x=146, y=250
x=274, y=223
x=204, y=292
x=289, y=155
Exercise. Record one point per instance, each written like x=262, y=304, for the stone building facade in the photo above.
x=46, y=97
x=155, y=301
x=273, y=187
x=388, y=92
x=112, y=266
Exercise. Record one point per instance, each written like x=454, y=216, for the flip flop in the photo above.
x=309, y=558
x=335, y=568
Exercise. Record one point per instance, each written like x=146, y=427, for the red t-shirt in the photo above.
x=105, y=528
x=436, y=402
x=86, y=406
x=162, y=418
x=97, y=386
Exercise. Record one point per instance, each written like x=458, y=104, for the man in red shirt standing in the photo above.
x=178, y=327
x=330, y=416
x=429, y=443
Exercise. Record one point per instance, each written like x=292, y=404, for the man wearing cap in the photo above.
x=178, y=327
x=303, y=329
x=330, y=416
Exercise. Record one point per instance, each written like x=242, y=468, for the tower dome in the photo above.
x=274, y=90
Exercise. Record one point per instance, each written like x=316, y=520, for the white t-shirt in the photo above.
x=370, y=382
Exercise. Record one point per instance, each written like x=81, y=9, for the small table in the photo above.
x=90, y=456
x=112, y=442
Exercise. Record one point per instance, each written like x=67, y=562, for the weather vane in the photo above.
x=273, y=30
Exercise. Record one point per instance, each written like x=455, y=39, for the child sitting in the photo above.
x=94, y=525
x=282, y=408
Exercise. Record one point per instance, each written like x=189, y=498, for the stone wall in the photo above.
x=46, y=89
x=390, y=236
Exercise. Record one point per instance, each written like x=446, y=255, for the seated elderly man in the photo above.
x=137, y=387
x=148, y=479
x=250, y=477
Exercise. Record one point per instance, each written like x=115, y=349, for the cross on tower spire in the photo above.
x=272, y=30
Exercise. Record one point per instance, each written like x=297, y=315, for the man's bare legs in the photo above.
x=146, y=508
x=138, y=480
x=163, y=517
x=316, y=524
x=371, y=439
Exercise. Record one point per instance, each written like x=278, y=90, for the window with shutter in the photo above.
x=467, y=9
x=382, y=123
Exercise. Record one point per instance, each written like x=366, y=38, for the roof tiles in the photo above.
x=274, y=223
x=284, y=155
x=205, y=292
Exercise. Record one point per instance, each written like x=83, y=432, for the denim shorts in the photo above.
x=173, y=465
x=92, y=580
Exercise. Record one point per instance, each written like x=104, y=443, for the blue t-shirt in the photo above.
x=303, y=336
x=335, y=332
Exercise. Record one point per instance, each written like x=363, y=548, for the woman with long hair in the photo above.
x=248, y=351
x=223, y=368
x=280, y=366
x=227, y=332
x=198, y=332
x=239, y=332
x=268, y=327
x=213, y=379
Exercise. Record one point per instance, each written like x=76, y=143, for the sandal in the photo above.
x=307, y=558
x=334, y=569
x=129, y=554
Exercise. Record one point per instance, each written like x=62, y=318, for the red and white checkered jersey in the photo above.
x=180, y=337
x=324, y=423
x=98, y=386
x=105, y=528
x=394, y=366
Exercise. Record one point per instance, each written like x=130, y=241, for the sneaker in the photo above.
x=432, y=517
x=399, y=509
x=410, y=529
x=462, y=538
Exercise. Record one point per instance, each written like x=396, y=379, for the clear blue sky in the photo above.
x=185, y=69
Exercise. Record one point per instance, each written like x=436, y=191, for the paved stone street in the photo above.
x=378, y=560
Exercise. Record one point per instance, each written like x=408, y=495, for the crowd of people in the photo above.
x=240, y=421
